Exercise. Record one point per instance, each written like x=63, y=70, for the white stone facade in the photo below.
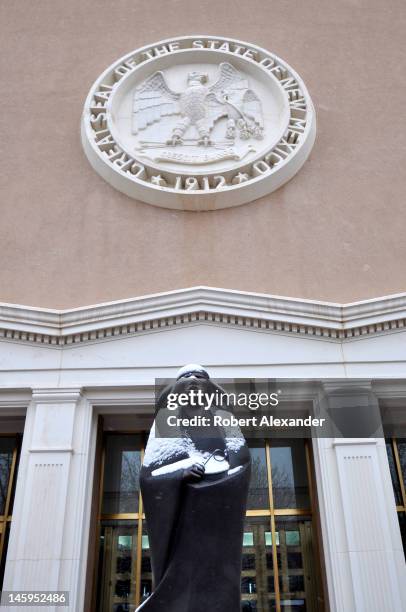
x=63, y=368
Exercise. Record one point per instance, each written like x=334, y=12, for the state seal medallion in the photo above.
x=198, y=123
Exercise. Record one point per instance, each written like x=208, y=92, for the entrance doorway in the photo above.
x=281, y=567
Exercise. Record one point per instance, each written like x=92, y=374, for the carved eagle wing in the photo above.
x=229, y=81
x=153, y=99
x=232, y=86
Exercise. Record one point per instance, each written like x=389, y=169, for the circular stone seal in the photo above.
x=198, y=123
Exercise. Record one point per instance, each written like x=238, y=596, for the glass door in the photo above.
x=280, y=571
x=9, y=453
x=119, y=524
x=280, y=567
x=396, y=450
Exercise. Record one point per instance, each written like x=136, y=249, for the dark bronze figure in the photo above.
x=194, y=487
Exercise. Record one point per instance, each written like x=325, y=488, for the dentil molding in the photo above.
x=207, y=305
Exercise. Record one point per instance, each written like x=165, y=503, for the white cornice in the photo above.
x=203, y=304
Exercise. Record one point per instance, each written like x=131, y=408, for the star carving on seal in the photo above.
x=241, y=177
x=158, y=180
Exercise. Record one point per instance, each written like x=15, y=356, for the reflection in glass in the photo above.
x=401, y=442
x=394, y=473
x=7, y=445
x=258, y=496
x=117, y=566
x=257, y=583
x=289, y=474
x=146, y=569
x=298, y=578
x=122, y=466
x=6, y=527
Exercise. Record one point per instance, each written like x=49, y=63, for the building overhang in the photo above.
x=208, y=305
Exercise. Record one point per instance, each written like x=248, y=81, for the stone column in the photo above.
x=49, y=534
x=365, y=564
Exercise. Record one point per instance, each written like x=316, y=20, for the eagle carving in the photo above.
x=200, y=106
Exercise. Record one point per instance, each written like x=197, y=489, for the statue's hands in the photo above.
x=194, y=473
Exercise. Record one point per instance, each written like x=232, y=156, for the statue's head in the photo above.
x=197, y=77
x=192, y=370
x=193, y=380
x=192, y=377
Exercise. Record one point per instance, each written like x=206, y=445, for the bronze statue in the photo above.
x=194, y=487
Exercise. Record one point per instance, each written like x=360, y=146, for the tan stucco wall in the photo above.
x=335, y=232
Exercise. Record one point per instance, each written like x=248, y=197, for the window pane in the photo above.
x=289, y=474
x=6, y=528
x=146, y=568
x=122, y=466
x=394, y=473
x=7, y=445
x=401, y=442
x=117, y=566
x=298, y=576
x=257, y=582
x=258, y=496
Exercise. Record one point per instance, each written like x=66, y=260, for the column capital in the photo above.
x=345, y=386
x=354, y=441
x=56, y=395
